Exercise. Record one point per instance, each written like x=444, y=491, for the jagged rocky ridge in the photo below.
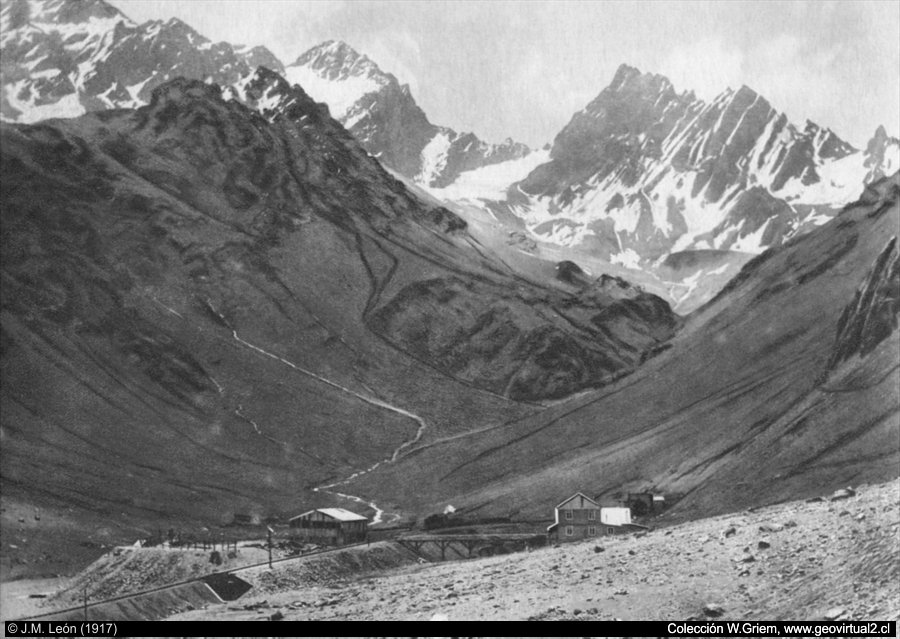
x=62, y=58
x=643, y=171
x=640, y=173
x=384, y=117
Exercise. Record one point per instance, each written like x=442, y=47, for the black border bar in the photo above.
x=268, y=628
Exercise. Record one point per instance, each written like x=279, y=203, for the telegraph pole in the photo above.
x=270, y=531
x=85, y=603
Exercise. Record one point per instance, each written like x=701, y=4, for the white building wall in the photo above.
x=615, y=516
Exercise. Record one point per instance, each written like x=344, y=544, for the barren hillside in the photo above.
x=792, y=561
x=749, y=405
x=217, y=307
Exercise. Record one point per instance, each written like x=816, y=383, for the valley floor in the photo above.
x=799, y=560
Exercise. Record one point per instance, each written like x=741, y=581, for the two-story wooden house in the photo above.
x=577, y=517
x=580, y=517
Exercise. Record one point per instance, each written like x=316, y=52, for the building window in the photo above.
x=609, y=531
x=592, y=515
x=592, y=530
x=569, y=514
x=569, y=531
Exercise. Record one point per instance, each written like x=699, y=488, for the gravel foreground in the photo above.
x=836, y=558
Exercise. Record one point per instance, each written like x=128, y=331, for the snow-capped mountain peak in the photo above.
x=60, y=12
x=641, y=171
x=336, y=60
x=334, y=73
x=383, y=115
x=62, y=58
x=644, y=170
x=79, y=25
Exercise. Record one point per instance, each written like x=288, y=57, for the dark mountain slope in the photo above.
x=746, y=407
x=211, y=310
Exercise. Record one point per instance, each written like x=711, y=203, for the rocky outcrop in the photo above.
x=872, y=315
x=570, y=273
x=490, y=338
x=882, y=157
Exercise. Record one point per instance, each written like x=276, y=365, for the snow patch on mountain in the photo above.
x=888, y=161
x=815, y=218
x=339, y=94
x=68, y=106
x=751, y=242
x=45, y=15
x=561, y=231
x=356, y=115
x=841, y=181
x=434, y=157
x=627, y=258
x=491, y=182
x=134, y=91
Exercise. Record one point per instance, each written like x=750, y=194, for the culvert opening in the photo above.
x=227, y=586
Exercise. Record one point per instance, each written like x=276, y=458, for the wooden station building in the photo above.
x=335, y=526
x=580, y=517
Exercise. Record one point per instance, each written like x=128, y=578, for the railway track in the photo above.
x=178, y=584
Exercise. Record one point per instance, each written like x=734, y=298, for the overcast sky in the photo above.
x=521, y=69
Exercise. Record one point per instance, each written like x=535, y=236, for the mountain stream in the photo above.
x=422, y=425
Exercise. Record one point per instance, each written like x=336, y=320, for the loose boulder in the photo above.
x=843, y=493
x=713, y=610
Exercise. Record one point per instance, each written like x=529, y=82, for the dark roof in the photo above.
x=593, y=501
